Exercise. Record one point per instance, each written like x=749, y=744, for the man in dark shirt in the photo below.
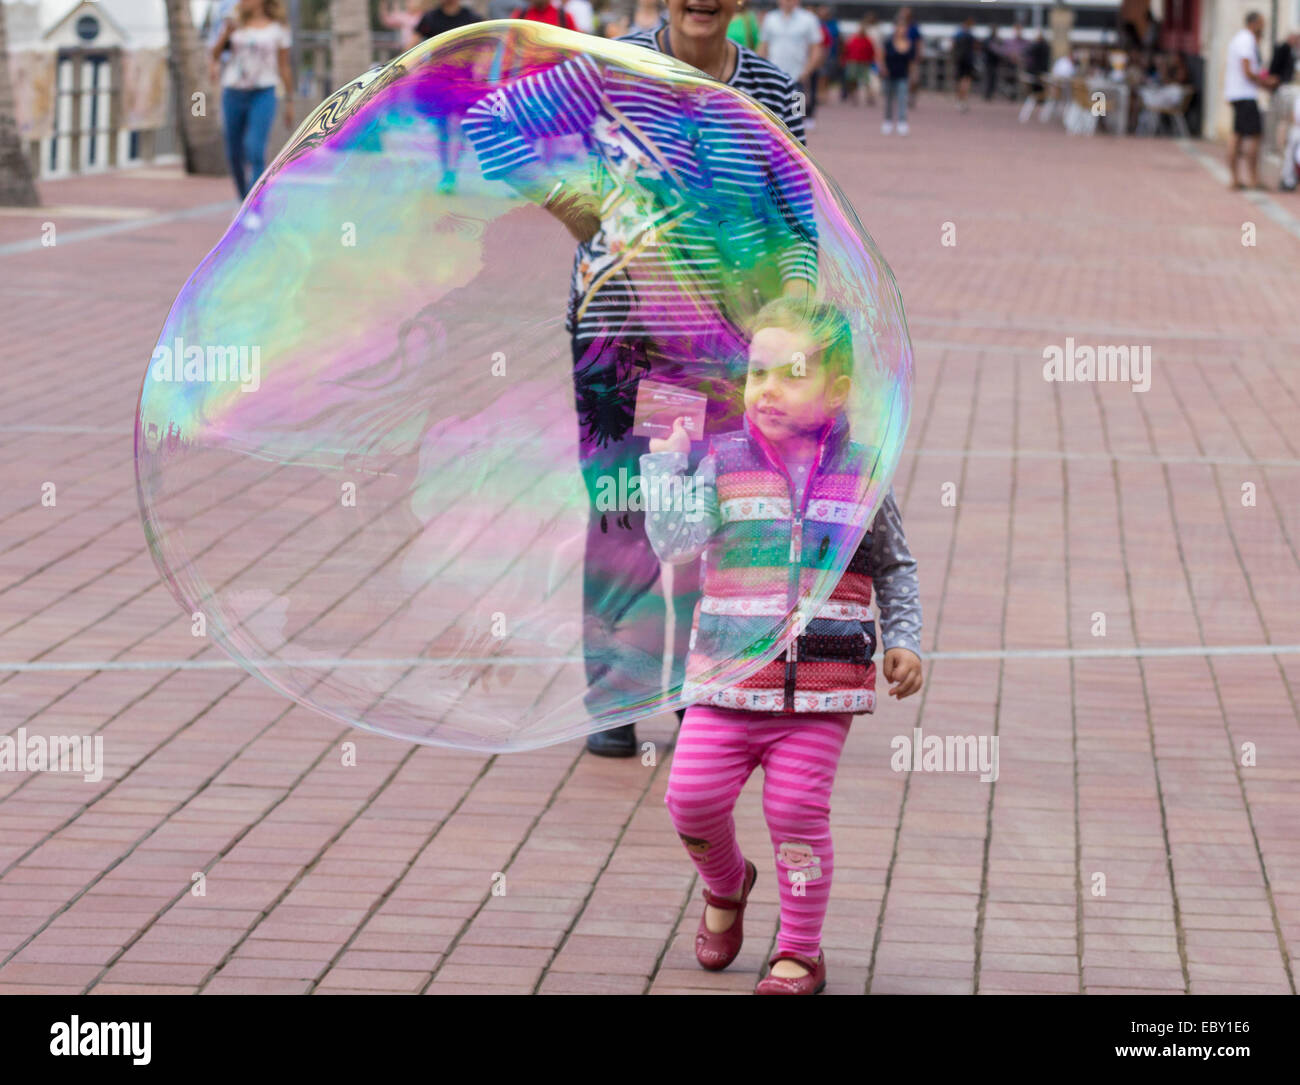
x=1283, y=63
x=992, y=62
x=1038, y=59
x=963, y=54
x=447, y=16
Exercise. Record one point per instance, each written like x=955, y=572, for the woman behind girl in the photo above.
x=258, y=39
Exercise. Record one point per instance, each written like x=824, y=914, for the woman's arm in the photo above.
x=816, y=52
x=214, y=60
x=223, y=39
x=791, y=215
x=503, y=125
x=559, y=101
x=286, y=77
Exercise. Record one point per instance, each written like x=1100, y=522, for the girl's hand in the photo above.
x=903, y=670
x=288, y=114
x=678, y=441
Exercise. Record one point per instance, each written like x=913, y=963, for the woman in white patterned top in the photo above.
x=257, y=40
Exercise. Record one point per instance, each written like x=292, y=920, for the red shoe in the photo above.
x=809, y=984
x=716, y=950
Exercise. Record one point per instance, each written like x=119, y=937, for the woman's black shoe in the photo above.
x=616, y=742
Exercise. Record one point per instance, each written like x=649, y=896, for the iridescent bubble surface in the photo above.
x=359, y=440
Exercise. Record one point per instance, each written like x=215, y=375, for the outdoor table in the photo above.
x=1122, y=92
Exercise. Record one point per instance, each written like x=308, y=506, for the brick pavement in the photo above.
x=1070, y=500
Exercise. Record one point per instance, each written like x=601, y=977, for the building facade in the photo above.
x=91, y=82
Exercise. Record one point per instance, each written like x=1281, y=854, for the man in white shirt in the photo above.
x=1243, y=75
x=791, y=38
x=582, y=13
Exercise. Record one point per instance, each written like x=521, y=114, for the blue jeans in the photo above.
x=248, y=115
x=896, y=90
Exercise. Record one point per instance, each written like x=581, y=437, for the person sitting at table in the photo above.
x=1163, y=92
x=1177, y=70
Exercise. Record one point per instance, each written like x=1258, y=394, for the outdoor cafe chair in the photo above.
x=1149, y=119
x=1079, y=117
x=1118, y=95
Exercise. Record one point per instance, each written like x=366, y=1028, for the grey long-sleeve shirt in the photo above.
x=686, y=516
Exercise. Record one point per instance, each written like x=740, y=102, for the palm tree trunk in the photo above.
x=198, y=118
x=17, y=189
x=351, y=48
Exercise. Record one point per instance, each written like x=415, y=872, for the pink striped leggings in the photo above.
x=717, y=749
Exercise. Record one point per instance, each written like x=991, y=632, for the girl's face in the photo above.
x=250, y=8
x=701, y=18
x=786, y=390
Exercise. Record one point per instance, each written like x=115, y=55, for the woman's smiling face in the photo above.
x=701, y=18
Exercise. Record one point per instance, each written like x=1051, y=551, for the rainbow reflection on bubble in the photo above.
x=359, y=441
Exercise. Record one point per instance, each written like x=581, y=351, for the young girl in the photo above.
x=771, y=506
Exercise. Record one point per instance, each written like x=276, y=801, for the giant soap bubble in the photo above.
x=361, y=450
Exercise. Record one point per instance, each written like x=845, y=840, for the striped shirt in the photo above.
x=706, y=206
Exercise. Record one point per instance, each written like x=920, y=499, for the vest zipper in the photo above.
x=796, y=550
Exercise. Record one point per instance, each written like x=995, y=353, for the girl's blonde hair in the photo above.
x=274, y=11
x=824, y=325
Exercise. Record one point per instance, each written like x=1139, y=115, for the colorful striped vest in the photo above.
x=767, y=556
